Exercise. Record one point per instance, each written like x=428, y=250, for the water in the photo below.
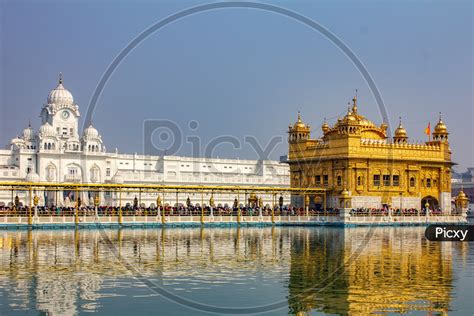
x=278, y=271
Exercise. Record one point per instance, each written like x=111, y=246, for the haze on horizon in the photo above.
x=239, y=71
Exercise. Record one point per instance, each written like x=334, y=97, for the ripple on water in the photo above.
x=328, y=270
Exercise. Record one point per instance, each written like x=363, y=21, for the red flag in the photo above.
x=428, y=129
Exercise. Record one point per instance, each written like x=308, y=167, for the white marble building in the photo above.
x=58, y=152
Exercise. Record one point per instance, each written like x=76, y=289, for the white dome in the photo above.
x=60, y=95
x=17, y=140
x=91, y=132
x=47, y=130
x=28, y=133
x=32, y=177
x=117, y=178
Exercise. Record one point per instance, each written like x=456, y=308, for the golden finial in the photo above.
x=440, y=117
x=399, y=121
x=299, y=116
x=60, y=78
x=354, y=101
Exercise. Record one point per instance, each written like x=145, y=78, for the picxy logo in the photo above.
x=450, y=232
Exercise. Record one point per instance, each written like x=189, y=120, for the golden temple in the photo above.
x=375, y=170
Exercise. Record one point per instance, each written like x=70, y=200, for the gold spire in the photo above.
x=440, y=128
x=354, y=103
x=299, y=123
x=325, y=126
x=60, y=78
x=400, y=132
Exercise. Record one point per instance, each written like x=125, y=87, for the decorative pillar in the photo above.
x=202, y=207
x=211, y=207
x=306, y=204
x=238, y=208
x=30, y=210
x=76, y=210
x=35, y=202
x=120, y=218
x=461, y=203
x=96, y=206
x=273, y=208
x=345, y=205
x=163, y=219
x=158, y=207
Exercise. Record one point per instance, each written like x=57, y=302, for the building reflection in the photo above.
x=326, y=269
x=370, y=270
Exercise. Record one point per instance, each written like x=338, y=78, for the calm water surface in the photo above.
x=276, y=270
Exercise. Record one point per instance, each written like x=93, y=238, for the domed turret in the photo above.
x=28, y=133
x=60, y=95
x=117, y=178
x=349, y=117
x=461, y=200
x=299, y=123
x=400, y=133
x=441, y=131
x=18, y=142
x=91, y=132
x=300, y=131
x=325, y=127
x=32, y=177
x=47, y=130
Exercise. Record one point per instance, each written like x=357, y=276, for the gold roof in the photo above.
x=440, y=128
x=367, y=128
x=325, y=126
x=461, y=195
x=345, y=193
x=400, y=132
x=299, y=123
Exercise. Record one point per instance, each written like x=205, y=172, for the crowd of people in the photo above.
x=181, y=210
x=393, y=212
x=191, y=210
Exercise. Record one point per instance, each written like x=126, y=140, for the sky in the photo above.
x=237, y=73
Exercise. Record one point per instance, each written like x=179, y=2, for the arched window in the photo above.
x=339, y=180
x=359, y=180
x=412, y=182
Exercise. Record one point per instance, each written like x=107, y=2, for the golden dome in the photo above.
x=325, y=126
x=299, y=123
x=345, y=193
x=440, y=128
x=350, y=117
x=461, y=195
x=400, y=132
x=365, y=122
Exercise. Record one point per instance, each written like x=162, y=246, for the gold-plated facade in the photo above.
x=377, y=171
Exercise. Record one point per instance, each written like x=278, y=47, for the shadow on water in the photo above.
x=311, y=270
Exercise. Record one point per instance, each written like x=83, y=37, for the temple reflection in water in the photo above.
x=329, y=270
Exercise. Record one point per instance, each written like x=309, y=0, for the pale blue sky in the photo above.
x=238, y=71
